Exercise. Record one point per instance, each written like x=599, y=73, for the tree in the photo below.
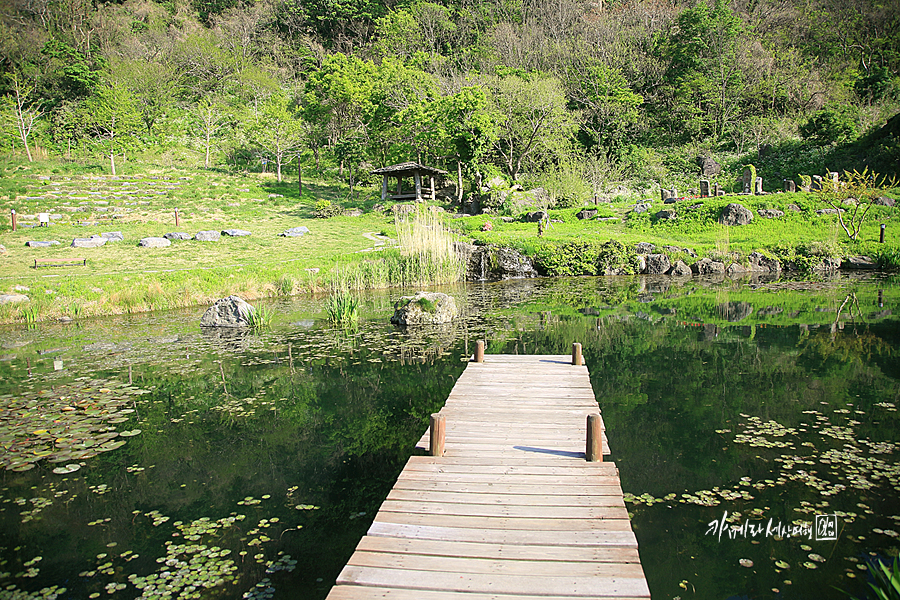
x=212, y=116
x=534, y=124
x=857, y=192
x=22, y=110
x=111, y=116
x=278, y=128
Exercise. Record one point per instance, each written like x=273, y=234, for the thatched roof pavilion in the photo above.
x=408, y=169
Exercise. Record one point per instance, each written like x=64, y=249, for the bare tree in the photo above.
x=23, y=111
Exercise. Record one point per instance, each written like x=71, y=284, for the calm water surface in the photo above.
x=216, y=465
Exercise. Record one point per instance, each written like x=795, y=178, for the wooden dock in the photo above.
x=511, y=510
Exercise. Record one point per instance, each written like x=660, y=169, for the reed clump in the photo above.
x=342, y=308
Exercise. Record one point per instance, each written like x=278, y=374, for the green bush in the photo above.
x=325, y=209
x=831, y=124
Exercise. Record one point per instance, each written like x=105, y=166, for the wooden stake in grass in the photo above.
x=224, y=386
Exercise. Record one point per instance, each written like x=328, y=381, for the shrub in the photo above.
x=831, y=124
x=325, y=209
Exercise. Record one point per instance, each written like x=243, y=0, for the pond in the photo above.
x=143, y=457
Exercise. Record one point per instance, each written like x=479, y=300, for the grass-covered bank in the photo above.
x=362, y=251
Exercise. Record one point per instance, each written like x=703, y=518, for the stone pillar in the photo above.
x=757, y=189
x=704, y=188
x=716, y=189
x=790, y=186
x=747, y=181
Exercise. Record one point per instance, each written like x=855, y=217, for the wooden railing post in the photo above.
x=436, y=444
x=593, y=451
x=576, y=354
x=479, y=351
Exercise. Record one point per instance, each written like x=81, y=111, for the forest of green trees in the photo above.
x=585, y=95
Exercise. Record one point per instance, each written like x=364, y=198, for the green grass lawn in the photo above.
x=122, y=277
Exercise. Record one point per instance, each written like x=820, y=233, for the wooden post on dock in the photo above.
x=593, y=451
x=576, y=354
x=436, y=446
x=479, y=351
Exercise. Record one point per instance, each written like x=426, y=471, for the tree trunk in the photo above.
x=112, y=162
x=459, y=192
x=299, y=176
x=278, y=165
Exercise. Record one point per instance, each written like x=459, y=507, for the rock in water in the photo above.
x=227, y=312
x=425, y=308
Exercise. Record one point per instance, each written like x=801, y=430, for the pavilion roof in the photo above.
x=406, y=169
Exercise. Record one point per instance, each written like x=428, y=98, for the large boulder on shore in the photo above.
x=735, y=214
x=657, y=264
x=494, y=263
x=707, y=266
x=230, y=312
x=425, y=308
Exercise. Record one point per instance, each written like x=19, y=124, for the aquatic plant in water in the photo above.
x=68, y=423
x=342, y=308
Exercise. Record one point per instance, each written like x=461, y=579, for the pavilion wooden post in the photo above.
x=384, y=188
x=479, y=351
x=418, y=179
x=399, y=185
x=593, y=451
x=576, y=354
x=436, y=444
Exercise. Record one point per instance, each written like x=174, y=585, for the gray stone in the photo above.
x=534, y=217
x=790, y=186
x=295, y=232
x=644, y=247
x=641, y=207
x=709, y=167
x=829, y=211
x=178, y=235
x=770, y=213
x=707, y=266
x=492, y=263
x=734, y=311
x=757, y=188
x=666, y=215
x=207, y=236
x=735, y=214
x=704, y=188
x=92, y=242
x=859, y=263
x=232, y=312
x=425, y=308
x=759, y=263
x=236, y=232
x=884, y=201
x=680, y=269
x=355, y=212
x=46, y=244
x=12, y=298
x=670, y=200
x=816, y=183
x=154, y=242
x=736, y=270
x=657, y=264
x=113, y=236
x=794, y=208
x=587, y=213
x=828, y=264
x=688, y=251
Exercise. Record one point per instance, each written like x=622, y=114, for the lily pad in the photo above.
x=70, y=468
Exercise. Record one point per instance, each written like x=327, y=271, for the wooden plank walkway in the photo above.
x=512, y=510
